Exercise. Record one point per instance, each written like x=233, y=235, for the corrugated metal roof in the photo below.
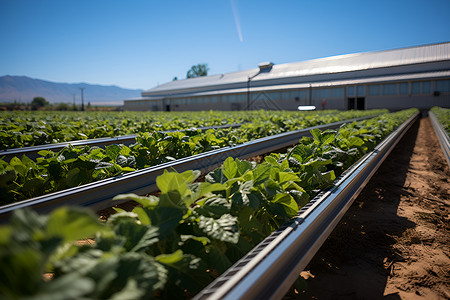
x=361, y=61
x=327, y=84
x=333, y=64
x=222, y=79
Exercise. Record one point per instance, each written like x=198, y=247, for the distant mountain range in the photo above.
x=23, y=89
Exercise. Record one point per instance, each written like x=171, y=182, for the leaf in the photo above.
x=19, y=166
x=114, y=274
x=285, y=177
x=330, y=176
x=171, y=258
x=112, y=151
x=46, y=153
x=173, y=181
x=128, y=169
x=261, y=173
x=316, y=135
x=34, y=186
x=272, y=187
x=125, y=151
x=166, y=218
x=216, y=176
x=205, y=188
x=6, y=177
x=27, y=221
x=189, y=271
x=70, y=286
x=150, y=201
x=249, y=223
x=142, y=215
x=201, y=239
x=123, y=216
x=76, y=177
x=304, y=151
x=190, y=175
x=121, y=161
x=284, y=164
x=225, y=228
x=229, y=168
x=215, y=206
x=288, y=203
x=102, y=165
x=328, y=136
x=73, y=223
x=5, y=234
x=119, y=210
x=130, y=291
x=317, y=162
x=301, y=197
x=138, y=237
x=20, y=271
x=246, y=187
x=271, y=160
x=243, y=166
x=15, y=161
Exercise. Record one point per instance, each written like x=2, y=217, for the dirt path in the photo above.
x=394, y=241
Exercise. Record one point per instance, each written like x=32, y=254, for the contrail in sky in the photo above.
x=236, y=20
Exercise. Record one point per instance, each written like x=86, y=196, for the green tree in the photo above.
x=62, y=106
x=197, y=71
x=38, y=102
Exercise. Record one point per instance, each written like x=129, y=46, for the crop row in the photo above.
x=23, y=129
x=23, y=178
x=171, y=246
x=443, y=116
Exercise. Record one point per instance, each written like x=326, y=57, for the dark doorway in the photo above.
x=350, y=103
x=168, y=107
x=360, y=103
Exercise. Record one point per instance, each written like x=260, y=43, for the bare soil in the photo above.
x=394, y=241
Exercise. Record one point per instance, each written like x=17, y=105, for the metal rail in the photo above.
x=98, y=195
x=32, y=152
x=268, y=271
x=442, y=136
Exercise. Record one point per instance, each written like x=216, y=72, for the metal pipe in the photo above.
x=32, y=152
x=442, y=136
x=270, y=268
x=98, y=195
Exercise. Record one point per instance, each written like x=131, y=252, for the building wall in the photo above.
x=402, y=102
x=391, y=95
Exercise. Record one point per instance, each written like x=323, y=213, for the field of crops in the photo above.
x=172, y=245
x=443, y=116
x=22, y=178
x=23, y=129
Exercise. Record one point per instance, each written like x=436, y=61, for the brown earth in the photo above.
x=394, y=241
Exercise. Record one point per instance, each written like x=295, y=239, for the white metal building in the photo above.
x=394, y=79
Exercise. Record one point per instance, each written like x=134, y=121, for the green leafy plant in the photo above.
x=443, y=116
x=74, y=166
x=23, y=129
x=173, y=245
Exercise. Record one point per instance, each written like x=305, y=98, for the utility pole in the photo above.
x=248, y=93
x=82, y=99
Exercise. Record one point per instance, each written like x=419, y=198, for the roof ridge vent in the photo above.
x=265, y=66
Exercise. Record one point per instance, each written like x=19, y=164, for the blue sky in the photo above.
x=143, y=43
